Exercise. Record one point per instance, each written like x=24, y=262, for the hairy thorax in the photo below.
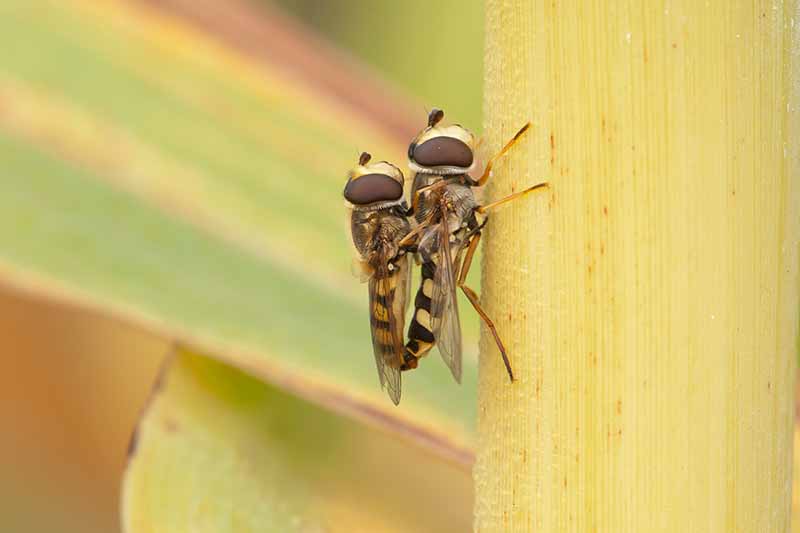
x=456, y=200
x=459, y=197
x=376, y=233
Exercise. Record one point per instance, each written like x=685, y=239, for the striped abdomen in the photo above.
x=420, y=336
x=382, y=314
x=387, y=304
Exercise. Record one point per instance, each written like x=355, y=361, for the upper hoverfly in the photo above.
x=378, y=222
x=447, y=235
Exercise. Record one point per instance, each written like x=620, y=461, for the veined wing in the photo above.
x=445, y=323
x=387, y=302
x=360, y=269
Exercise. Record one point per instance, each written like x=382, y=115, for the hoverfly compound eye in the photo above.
x=368, y=184
x=443, y=151
x=442, y=146
x=371, y=188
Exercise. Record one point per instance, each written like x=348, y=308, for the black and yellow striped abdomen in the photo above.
x=381, y=313
x=420, y=336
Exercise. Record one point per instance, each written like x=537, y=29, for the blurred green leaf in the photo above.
x=218, y=451
x=153, y=174
x=434, y=50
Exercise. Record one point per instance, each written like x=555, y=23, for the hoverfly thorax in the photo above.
x=442, y=150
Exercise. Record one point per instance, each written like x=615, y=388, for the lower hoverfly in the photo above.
x=447, y=235
x=378, y=222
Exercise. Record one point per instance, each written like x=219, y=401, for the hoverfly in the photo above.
x=445, y=209
x=378, y=222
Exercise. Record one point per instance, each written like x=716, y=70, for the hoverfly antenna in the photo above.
x=434, y=117
x=364, y=158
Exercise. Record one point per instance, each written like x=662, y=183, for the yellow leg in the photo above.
x=473, y=299
x=482, y=209
x=411, y=235
x=488, y=170
x=428, y=188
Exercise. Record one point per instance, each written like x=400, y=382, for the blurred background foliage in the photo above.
x=432, y=50
x=78, y=102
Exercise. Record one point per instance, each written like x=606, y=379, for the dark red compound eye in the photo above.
x=443, y=151
x=371, y=188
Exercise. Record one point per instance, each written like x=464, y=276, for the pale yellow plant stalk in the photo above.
x=649, y=298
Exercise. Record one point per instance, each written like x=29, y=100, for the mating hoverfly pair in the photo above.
x=441, y=229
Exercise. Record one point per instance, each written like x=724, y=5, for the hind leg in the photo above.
x=473, y=299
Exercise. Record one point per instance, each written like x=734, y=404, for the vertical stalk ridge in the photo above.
x=649, y=299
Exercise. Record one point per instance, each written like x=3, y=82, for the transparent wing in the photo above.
x=359, y=266
x=445, y=322
x=387, y=299
x=360, y=269
x=404, y=289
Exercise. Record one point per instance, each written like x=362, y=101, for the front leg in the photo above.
x=487, y=171
x=412, y=237
x=426, y=189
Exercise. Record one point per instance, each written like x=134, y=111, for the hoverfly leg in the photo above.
x=473, y=298
x=418, y=193
x=406, y=242
x=488, y=169
x=482, y=209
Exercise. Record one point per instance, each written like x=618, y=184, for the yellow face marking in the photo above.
x=424, y=319
x=381, y=167
x=455, y=131
x=427, y=288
